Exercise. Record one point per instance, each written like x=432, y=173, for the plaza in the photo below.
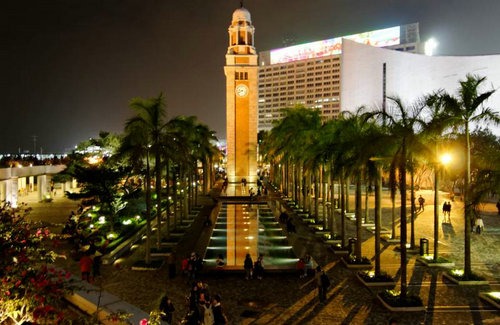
x=284, y=298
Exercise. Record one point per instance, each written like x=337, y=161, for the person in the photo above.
x=479, y=225
x=85, y=266
x=445, y=206
x=448, y=211
x=171, y=265
x=219, y=262
x=208, y=314
x=300, y=267
x=167, y=308
x=192, y=267
x=248, y=265
x=498, y=207
x=320, y=283
x=185, y=266
x=421, y=202
x=259, y=267
x=219, y=316
x=307, y=264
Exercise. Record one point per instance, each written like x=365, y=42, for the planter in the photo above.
x=356, y=266
x=487, y=296
x=400, y=308
x=431, y=263
x=464, y=282
x=375, y=283
x=389, y=240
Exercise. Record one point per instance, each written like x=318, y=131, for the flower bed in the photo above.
x=492, y=297
x=457, y=276
x=393, y=301
x=353, y=262
x=369, y=279
x=428, y=260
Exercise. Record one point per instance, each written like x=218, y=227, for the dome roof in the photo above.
x=242, y=14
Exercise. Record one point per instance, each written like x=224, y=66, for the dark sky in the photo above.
x=70, y=67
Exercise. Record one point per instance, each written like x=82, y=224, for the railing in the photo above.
x=7, y=173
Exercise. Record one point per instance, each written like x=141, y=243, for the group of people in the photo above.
x=191, y=266
x=202, y=307
x=446, y=212
x=254, y=269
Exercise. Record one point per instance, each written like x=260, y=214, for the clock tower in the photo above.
x=241, y=72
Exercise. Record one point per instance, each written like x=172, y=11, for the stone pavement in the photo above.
x=286, y=299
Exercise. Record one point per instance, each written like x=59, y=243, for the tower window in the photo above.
x=241, y=75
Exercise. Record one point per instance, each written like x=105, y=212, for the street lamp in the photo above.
x=444, y=160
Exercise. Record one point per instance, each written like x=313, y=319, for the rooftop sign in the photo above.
x=378, y=38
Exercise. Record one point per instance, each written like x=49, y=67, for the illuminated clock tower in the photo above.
x=241, y=72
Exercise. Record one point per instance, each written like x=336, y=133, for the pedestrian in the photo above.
x=421, y=202
x=219, y=315
x=208, y=314
x=448, y=211
x=167, y=309
x=322, y=283
x=248, y=265
x=192, y=267
x=498, y=207
x=85, y=266
x=219, y=262
x=300, y=267
x=259, y=267
x=445, y=206
x=185, y=266
x=479, y=225
x=307, y=264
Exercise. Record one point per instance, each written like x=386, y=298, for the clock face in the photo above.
x=241, y=90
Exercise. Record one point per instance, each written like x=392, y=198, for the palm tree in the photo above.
x=403, y=123
x=439, y=120
x=149, y=122
x=467, y=108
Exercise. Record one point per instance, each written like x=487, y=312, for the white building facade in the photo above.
x=310, y=74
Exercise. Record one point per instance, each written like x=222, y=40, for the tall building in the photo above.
x=241, y=99
x=310, y=74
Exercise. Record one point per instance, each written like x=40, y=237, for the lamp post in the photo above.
x=443, y=160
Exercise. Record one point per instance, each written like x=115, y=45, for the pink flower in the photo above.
x=143, y=322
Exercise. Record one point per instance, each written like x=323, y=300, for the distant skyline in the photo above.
x=70, y=68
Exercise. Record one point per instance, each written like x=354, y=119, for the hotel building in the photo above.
x=310, y=74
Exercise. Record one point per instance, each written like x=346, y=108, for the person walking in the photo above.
x=322, y=282
x=248, y=266
x=479, y=224
x=167, y=308
x=421, y=202
x=259, y=267
x=86, y=266
x=307, y=264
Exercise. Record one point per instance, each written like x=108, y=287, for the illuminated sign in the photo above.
x=378, y=38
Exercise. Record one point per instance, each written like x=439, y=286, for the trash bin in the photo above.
x=424, y=246
x=352, y=243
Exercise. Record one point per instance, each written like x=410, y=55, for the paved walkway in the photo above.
x=286, y=299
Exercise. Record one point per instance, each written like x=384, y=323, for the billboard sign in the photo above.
x=318, y=49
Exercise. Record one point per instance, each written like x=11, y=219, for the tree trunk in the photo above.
x=403, y=230
x=359, y=216
x=378, y=216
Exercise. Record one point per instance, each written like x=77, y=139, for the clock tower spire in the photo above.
x=241, y=98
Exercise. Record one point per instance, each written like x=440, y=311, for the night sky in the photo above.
x=70, y=67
